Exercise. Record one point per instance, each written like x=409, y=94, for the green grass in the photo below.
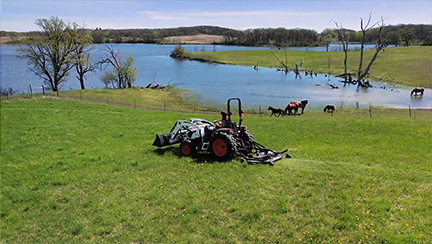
x=75, y=172
x=409, y=66
x=171, y=99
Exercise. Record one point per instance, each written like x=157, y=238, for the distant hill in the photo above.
x=393, y=35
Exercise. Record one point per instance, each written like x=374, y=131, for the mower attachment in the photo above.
x=262, y=155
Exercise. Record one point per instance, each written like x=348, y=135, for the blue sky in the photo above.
x=20, y=15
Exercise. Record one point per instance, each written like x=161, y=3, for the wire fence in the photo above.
x=342, y=110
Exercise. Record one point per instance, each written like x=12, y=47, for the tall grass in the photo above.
x=74, y=172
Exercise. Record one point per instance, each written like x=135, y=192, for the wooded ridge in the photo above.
x=398, y=35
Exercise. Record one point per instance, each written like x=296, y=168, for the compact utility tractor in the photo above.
x=223, y=139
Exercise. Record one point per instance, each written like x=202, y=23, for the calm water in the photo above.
x=214, y=83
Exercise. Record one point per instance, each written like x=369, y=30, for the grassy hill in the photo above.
x=409, y=66
x=74, y=172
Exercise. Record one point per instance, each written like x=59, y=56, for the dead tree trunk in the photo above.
x=344, y=39
x=379, y=47
x=282, y=63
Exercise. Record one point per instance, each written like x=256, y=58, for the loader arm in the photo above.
x=181, y=131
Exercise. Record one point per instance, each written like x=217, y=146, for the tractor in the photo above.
x=224, y=139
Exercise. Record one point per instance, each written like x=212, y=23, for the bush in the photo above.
x=7, y=92
x=178, y=52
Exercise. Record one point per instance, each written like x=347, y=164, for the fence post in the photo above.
x=259, y=109
x=409, y=108
x=43, y=90
x=31, y=90
x=370, y=111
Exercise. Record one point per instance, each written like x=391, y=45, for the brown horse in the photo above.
x=301, y=104
x=276, y=111
x=330, y=108
x=290, y=107
x=417, y=90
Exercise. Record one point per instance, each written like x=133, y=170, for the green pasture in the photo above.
x=410, y=66
x=79, y=172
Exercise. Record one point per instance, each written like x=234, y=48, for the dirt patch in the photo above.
x=6, y=39
x=197, y=39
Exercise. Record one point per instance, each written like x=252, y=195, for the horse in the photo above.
x=417, y=90
x=276, y=111
x=290, y=107
x=329, y=108
x=301, y=104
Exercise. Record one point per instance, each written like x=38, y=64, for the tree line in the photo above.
x=398, y=35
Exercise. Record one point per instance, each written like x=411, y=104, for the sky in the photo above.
x=20, y=15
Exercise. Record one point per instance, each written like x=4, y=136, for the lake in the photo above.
x=215, y=83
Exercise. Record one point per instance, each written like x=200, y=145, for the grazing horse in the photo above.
x=290, y=107
x=301, y=104
x=276, y=111
x=329, y=108
x=417, y=90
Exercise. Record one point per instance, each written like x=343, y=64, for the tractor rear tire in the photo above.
x=223, y=146
x=248, y=141
x=188, y=148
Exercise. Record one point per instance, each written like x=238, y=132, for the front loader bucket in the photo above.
x=162, y=140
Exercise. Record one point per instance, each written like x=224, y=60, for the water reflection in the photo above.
x=214, y=83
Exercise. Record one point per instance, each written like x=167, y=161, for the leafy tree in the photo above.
x=427, y=41
x=392, y=38
x=51, y=53
x=123, y=74
x=407, y=36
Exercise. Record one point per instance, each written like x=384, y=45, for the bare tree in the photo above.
x=286, y=70
x=124, y=74
x=83, y=61
x=51, y=53
x=343, y=37
x=378, y=47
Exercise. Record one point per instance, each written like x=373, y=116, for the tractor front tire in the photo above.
x=223, y=146
x=188, y=148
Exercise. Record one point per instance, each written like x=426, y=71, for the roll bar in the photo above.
x=239, y=108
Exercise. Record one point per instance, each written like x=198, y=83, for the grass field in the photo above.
x=409, y=66
x=74, y=172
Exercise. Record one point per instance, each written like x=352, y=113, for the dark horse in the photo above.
x=329, y=108
x=276, y=111
x=301, y=104
x=417, y=90
x=290, y=107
